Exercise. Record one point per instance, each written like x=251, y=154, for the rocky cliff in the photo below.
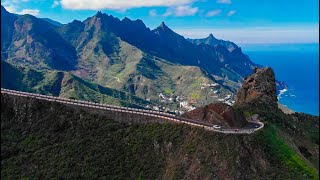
x=259, y=89
x=220, y=114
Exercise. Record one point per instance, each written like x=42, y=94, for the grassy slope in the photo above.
x=299, y=131
x=63, y=84
x=187, y=80
x=279, y=148
x=111, y=62
x=58, y=141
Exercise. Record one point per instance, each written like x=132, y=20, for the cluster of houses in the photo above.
x=171, y=98
x=228, y=100
x=189, y=105
x=212, y=85
x=164, y=109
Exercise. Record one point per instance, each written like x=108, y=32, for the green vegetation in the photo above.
x=281, y=151
x=58, y=141
x=64, y=84
x=301, y=131
x=195, y=95
x=247, y=114
x=167, y=91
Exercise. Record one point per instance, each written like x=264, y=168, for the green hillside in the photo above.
x=53, y=142
x=124, y=55
x=64, y=84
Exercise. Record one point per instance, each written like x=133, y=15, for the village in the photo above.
x=185, y=104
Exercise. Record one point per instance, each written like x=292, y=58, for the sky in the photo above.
x=243, y=22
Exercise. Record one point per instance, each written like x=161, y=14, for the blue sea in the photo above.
x=297, y=65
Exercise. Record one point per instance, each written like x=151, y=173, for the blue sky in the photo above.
x=244, y=22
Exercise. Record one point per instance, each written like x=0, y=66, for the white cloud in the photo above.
x=185, y=10
x=34, y=12
x=153, y=13
x=11, y=2
x=213, y=13
x=224, y=1
x=120, y=4
x=230, y=13
x=55, y=4
x=11, y=8
x=168, y=12
x=258, y=35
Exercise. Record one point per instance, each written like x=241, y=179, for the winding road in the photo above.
x=252, y=127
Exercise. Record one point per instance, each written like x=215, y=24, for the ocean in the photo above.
x=297, y=65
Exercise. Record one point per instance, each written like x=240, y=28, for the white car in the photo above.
x=216, y=126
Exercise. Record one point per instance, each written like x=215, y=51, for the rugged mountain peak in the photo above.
x=214, y=42
x=162, y=26
x=99, y=14
x=211, y=37
x=164, y=30
x=126, y=19
x=134, y=24
x=258, y=89
x=103, y=16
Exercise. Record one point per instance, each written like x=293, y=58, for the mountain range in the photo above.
x=124, y=55
x=122, y=62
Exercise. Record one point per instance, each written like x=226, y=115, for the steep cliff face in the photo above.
x=218, y=113
x=259, y=89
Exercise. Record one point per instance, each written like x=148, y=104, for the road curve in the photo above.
x=162, y=115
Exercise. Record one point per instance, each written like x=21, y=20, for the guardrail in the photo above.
x=151, y=113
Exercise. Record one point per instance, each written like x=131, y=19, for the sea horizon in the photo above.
x=297, y=66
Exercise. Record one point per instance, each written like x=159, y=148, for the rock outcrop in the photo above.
x=219, y=114
x=258, y=89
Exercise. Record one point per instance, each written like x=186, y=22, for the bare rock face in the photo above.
x=259, y=89
x=219, y=114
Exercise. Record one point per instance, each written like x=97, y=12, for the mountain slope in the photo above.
x=41, y=139
x=212, y=41
x=7, y=28
x=124, y=54
x=53, y=22
x=112, y=62
x=64, y=84
x=30, y=41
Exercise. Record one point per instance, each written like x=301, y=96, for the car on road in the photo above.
x=236, y=130
x=256, y=126
x=216, y=126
